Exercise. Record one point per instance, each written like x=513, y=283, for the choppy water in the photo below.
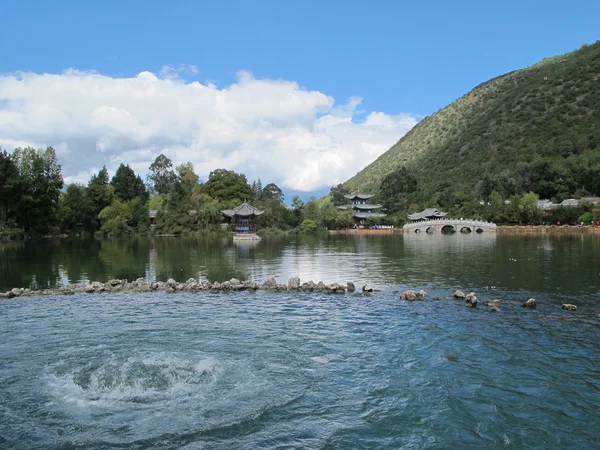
x=264, y=370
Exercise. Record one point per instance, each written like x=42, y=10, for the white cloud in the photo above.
x=269, y=129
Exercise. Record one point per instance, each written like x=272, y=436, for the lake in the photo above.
x=304, y=370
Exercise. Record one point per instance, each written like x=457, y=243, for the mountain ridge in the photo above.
x=502, y=127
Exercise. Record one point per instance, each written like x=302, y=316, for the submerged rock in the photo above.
x=569, y=307
x=493, y=303
x=436, y=297
x=494, y=308
x=459, y=294
x=529, y=303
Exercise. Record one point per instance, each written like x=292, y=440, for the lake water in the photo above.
x=268, y=370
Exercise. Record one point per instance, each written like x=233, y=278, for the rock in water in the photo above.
x=459, y=294
x=409, y=295
x=350, y=286
x=294, y=284
x=270, y=284
x=471, y=300
x=569, y=307
x=529, y=303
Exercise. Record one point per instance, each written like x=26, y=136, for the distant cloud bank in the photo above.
x=269, y=129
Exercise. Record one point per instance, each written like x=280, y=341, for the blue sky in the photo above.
x=404, y=60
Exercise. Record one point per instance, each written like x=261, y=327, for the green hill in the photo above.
x=535, y=129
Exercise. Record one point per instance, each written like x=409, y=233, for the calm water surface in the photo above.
x=263, y=370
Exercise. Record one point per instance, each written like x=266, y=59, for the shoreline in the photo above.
x=508, y=229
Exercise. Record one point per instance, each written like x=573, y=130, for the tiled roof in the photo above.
x=429, y=212
x=358, y=196
x=244, y=210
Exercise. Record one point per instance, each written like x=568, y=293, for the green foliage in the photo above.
x=75, y=210
x=161, y=175
x=226, y=185
x=9, y=189
x=272, y=192
x=337, y=194
x=536, y=129
x=127, y=185
x=116, y=219
x=40, y=181
x=396, y=190
x=309, y=227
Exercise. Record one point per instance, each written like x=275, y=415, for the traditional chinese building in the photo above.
x=362, y=208
x=428, y=214
x=243, y=218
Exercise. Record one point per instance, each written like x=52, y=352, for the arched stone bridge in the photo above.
x=449, y=225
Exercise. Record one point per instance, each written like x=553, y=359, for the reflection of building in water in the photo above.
x=424, y=243
x=245, y=249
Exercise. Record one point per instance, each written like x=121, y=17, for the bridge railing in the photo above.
x=446, y=221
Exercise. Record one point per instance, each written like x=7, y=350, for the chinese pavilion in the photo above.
x=361, y=207
x=243, y=218
x=428, y=214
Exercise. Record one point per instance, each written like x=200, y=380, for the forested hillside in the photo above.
x=536, y=129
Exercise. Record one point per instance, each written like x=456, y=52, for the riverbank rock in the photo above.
x=320, y=287
x=459, y=294
x=569, y=307
x=350, y=286
x=270, y=284
x=294, y=284
x=529, y=303
x=309, y=286
x=471, y=300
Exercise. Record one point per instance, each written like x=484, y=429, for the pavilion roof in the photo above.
x=429, y=212
x=244, y=210
x=363, y=215
x=358, y=196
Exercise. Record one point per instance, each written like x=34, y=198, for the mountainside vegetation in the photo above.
x=532, y=130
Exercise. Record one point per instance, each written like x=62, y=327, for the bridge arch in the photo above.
x=479, y=230
x=465, y=230
x=430, y=230
x=448, y=229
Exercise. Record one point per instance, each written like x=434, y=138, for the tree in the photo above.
x=396, y=189
x=76, y=212
x=187, y=179
x=337, y=194
x=9, y=188
x=257, y=189
x=127, y=185
x=228, y=185
x=115, y=219
x=100, y=194
x=272, y=192
x=161, y=175
x=41, y=182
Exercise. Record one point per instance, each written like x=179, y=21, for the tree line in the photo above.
x=33, y=199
